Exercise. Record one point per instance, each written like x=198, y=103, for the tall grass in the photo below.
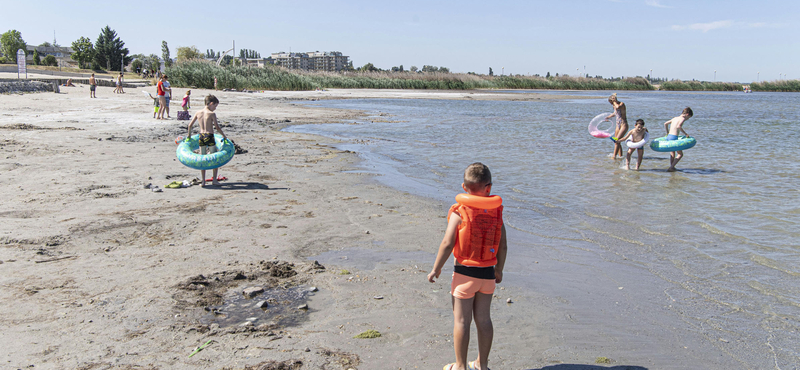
x=201, y=74
x=678, y=85
x=783, y=85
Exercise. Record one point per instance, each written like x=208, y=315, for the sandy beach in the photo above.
x=97, y=271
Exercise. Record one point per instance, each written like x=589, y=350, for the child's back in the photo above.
x=479, y=263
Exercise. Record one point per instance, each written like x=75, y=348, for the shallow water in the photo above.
x=721, y=233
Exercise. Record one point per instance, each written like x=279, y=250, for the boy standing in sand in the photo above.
x=477, y=239
x=92, y=86
x=637, y=134
x=673, y=127
x=207, y=120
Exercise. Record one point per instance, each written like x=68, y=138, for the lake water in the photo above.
x=721, y=234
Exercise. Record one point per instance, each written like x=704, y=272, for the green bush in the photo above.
x=50, y=60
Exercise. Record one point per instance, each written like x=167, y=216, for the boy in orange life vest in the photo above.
x=476, y=236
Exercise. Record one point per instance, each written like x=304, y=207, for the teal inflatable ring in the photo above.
x=189, y=158
x=663, y=145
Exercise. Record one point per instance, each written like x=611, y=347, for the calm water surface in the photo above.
x=723, y=232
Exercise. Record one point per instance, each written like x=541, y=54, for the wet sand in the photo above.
x=99, y=272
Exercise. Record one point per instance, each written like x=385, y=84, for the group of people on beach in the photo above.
x=673, y=127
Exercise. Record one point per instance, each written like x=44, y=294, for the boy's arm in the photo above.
x=624, y=137
x=501, y=257
x=194, y=119
x=666, y=125
x=216, y=125
x=446, y=248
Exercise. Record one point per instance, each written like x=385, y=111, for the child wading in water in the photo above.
x=207, y=120
x=674, y=126
x=635, y=135
x=480, y=256
x=621, y=112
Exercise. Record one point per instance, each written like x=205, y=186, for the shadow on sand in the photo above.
x=241, y=186
x=589, y=367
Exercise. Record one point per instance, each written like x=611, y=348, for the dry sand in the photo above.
x=98, y=272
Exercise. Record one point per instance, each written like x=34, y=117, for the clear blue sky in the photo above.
x=683, y=39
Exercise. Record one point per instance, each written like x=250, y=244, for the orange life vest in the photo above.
x=478, y=236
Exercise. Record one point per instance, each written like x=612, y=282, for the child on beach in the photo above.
x=621, y=112
x=207, y=120
x=92, y=86
x=479, y=260
x=155, y=106
x=673, y=127
x=637, y=134
x=184, y=115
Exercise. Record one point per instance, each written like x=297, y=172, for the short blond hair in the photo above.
x=477, y=175
x=612, y=98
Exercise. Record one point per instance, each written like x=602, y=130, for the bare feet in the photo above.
x=203, y=184
x=671, y=169
x=215, y=182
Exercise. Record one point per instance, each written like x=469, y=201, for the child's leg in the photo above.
x=640, y=153
x=628, y=159
x=214, y=180
x=674, y=160
x=483, y=321
x=462, y=319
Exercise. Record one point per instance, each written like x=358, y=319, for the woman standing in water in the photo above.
x=622, y=122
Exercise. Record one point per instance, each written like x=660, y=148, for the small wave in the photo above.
x=773, y=264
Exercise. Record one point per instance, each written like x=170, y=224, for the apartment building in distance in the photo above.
x=330, y=61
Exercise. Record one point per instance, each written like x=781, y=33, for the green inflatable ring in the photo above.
x=189, y=158
x=663, y=145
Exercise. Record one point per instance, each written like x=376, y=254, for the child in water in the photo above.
x=673, y=127
x=635, y=135
x=621, y=112
x=479, y=262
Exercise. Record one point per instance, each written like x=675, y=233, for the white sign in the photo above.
x=21, y=67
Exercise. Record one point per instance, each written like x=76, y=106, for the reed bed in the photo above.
x=782, y=85
x=678, y=85
x=201, y=74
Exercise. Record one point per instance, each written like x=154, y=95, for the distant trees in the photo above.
x=36, y=58
x=211, y=55
x=369, y=67
x=398, y=69
x=110, y=51
x=413, y=69
x=249, y=54
x=188, y=53
x=491, y=73
x=82, y=51
x=10, y=42
x=165, y=54
x=427, y=68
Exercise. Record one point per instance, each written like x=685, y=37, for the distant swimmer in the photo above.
x=673, y=127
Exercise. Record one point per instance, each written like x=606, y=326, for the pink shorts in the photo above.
x=465, y=287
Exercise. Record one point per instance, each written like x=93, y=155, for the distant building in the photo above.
x=330, y=61
x=63, y=54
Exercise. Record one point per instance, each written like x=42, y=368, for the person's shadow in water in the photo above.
x=226, y=185
x=589, y=367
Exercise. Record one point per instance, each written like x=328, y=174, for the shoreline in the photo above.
x=99, y=272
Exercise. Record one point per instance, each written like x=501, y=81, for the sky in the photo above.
x=735, y=41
